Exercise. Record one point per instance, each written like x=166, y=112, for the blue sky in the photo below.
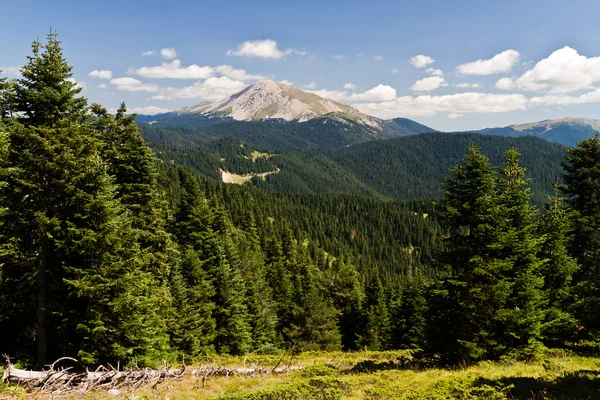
x=480, y=64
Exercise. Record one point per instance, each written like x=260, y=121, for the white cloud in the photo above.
x=502, y=62
x=377, y=58
x=337, y=95
x=100, y=74
x=421, y=61
x=429, y=83
x=436, y=72
x=563, y=71
x=148, y=53
x=129, y=84
x=160, y=97
x=455, y=115
x=562, y=99
x=461, y=103
x=240, y=74
x=258, y=48
x=215, y=88
x=102, y=86
x=360, y=55
x=174, y=70
x=168, y=54
x=339, y=56
x=395, y=70
x=350, y=86
x=469, y=85
x=378, y=93
x=311, y=85
x=505, y=84
x=10, y=71
x=286, y=82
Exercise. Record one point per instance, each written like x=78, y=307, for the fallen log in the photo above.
x=77, y=378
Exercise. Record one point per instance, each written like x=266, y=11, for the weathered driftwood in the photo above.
x=76, y=378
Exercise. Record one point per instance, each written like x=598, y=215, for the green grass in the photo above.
x=383, y=375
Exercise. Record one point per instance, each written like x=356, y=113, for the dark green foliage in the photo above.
x=582, y=189
x=313, y=322
x=44, y=94
x=375, y=319
x=71, y=258
x=558, y=269
x=406, y=168
x=408, y=314
x=192, y=323
x=412, y=167
x=477, y=291
x=521, y=246
x=208, y=235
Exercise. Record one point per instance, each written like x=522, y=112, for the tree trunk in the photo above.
x=42, y=292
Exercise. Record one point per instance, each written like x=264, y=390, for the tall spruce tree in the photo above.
x=376, y=328
x=261, y=307
x=409, y=316
x=520, y=321
x=71, y=250
x=560, y=324
x=582, y=190
x=471, y=299
x=206, y=230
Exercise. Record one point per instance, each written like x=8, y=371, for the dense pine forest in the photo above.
x=113, y=252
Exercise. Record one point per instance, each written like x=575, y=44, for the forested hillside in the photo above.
x=406, y=168
x=111, y=255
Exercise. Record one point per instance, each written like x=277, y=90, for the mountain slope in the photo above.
x=405, y=168
x=405, y=126
x=567, y=131
x=269, y=99
x=414, y=167
x=279, y=116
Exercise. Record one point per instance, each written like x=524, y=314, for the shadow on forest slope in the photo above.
x=577, y=385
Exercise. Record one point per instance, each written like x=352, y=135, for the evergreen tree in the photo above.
x=198, y=229
x=70, y=250
x=46, y=95
x=313, y=323
x=261, y=307
x=409, y=316
x=582, y=189
x=376, y=320
x=279, y=280
x=342, y=284
x=192, y=324
x=132, y=164
x=520, y=321
x=558, y=271
x=470, y=300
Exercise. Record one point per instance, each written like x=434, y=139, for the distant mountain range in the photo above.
x=284, y=117
x=567, y=131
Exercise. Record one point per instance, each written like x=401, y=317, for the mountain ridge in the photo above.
x=567, y=131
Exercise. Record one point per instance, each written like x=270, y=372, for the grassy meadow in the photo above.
x=376, y=375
